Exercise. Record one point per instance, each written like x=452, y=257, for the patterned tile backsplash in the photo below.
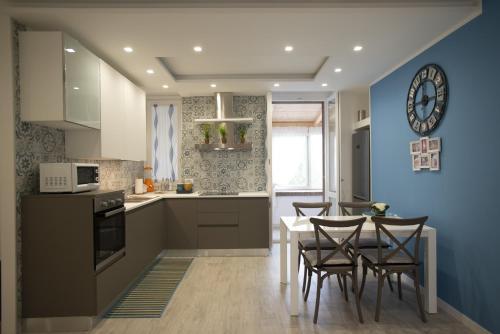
x=223, y=170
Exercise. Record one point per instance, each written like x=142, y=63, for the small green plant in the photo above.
x=223, y=133
x=205, y=130
x=242, y=132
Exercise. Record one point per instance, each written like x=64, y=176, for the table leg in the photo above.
x=430, y=288
x=294, y=282
x=283, y=254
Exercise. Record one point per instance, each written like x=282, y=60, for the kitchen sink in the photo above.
x=219, y=193
x=133, y=199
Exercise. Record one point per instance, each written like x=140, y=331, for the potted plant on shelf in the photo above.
x=242, y=131
x=205, y=130
x=223, y=133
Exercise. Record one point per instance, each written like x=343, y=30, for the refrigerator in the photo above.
x=361, y=165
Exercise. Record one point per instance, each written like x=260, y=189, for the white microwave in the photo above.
x=68, y=177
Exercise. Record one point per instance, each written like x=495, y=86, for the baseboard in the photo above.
x=453, y=312
x=58, y=324
x=216, y=252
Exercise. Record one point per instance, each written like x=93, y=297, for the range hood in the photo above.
x=224, y=111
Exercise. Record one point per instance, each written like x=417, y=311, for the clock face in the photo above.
x=427, y=98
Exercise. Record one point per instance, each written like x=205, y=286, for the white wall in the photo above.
x=7, y=177
x=350, y=101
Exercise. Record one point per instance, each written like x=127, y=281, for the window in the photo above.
x=164, y=140
x=297, y=157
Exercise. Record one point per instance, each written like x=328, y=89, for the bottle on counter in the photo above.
x=148, y=179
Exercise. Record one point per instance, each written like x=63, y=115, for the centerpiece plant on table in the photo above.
x=380, y=209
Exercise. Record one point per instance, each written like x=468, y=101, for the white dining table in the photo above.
x=301, y=227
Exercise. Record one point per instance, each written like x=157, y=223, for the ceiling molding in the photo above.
x=240, y=3
x=241, y=76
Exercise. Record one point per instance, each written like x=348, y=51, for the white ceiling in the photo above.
x=243, y=47
x=297, y=112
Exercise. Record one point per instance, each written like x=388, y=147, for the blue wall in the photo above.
x=463, y=199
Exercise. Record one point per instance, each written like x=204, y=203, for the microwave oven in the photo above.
x=68, y=177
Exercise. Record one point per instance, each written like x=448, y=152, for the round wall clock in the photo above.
x=427, y=99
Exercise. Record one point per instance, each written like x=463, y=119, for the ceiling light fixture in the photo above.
x=198, y=48
x=128, y=49
x=338, y=70
x=150, y=71
x=324, y=84
x=288, y=48
x=76, y=88
x=358, y=48
x=213, y=85
x=165, y=86
x=276, y=84
x=70, y=50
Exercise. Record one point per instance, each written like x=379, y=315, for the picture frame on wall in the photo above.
x=425, y=161
x=415, y=147
x=415, y=158
x=435, y=161
x=424, y=145
x=434, y=145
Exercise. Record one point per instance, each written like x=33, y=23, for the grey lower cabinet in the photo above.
x=217, y=223
x=145, y=238
x=180, y=220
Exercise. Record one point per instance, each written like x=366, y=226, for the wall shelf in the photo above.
x=223, y=147
x=364, y=123
x=224, y=120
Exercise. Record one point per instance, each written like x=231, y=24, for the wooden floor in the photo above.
x=244, y=295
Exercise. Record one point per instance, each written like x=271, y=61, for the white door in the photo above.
x=331, y=145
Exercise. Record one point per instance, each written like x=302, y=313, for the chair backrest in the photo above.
x=324, y=206
x=345, y=206
x=339, y=247
x=401, y=247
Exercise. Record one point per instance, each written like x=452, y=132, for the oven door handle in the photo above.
x=113, y=212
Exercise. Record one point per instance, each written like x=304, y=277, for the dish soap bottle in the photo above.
x=148, y=179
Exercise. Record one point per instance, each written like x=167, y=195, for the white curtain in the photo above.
x=290, y=157
x=165, y=142
x=297, y=157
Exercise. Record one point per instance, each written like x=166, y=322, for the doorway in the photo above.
x=298, y=171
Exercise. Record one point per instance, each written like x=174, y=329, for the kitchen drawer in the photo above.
x=218, y=219
x=218, y=205
x=218, y=237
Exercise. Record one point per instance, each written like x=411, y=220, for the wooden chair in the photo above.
x=397, y=260
x=310, y=243
x=335, y=261
x=364, y=243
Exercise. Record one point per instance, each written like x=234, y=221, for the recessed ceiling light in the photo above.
x=276, y=84
x=288, y=48
x=128, y=49
x=338, y=70
x=198, y=48
x=358, y=48
x=213, y=85
x=70, y=50
x=76, y=88
x=150, y=71
x=324, y=84
x=165, y=86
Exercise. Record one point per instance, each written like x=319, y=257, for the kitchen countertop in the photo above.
x=153, y=197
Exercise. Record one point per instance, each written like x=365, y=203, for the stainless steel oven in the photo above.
x=109, y=230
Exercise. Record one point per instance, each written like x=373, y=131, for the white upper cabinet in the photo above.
x=60, y=83
x=123, y=122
